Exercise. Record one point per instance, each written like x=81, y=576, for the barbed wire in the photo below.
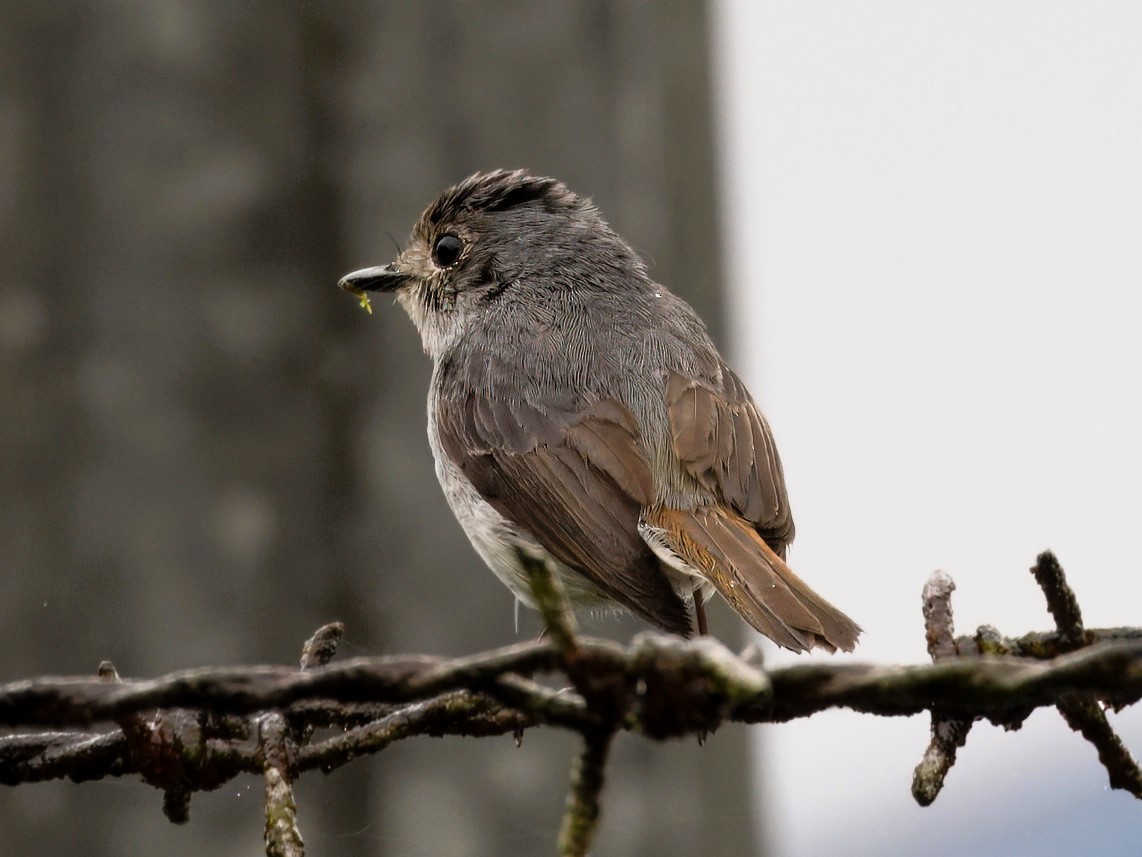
x=198, y=729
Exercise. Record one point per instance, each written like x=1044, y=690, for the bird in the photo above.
x=579, y=415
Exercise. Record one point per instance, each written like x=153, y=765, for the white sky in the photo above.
x=933, y=220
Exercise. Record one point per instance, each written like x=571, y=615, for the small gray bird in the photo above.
x=579, y=412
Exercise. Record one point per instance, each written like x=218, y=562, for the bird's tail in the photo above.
x=726, y=550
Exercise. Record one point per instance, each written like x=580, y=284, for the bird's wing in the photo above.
x=737, y=541
x=725, y=443
x=576, y=481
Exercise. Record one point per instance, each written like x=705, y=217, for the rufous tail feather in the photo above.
x=729, y=552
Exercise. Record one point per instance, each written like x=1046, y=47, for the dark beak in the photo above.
x=381, y=279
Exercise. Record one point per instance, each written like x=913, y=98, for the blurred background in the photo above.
x=913, y=227
x=208, y=450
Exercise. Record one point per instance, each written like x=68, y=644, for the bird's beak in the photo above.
x=384, y=278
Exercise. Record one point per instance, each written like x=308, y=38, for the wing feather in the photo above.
x=724, y=442
x=737, y=538
x=576, y=481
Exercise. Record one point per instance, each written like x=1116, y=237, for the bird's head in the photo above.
x=491, y=237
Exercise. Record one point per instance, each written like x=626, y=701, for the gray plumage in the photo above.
x=579, y=411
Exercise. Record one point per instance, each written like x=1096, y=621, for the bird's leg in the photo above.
x=703, y=630
x=700, y=610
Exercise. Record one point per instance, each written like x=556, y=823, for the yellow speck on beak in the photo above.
x=363, y=299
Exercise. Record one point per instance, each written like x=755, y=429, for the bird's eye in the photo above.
x=446, y=251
